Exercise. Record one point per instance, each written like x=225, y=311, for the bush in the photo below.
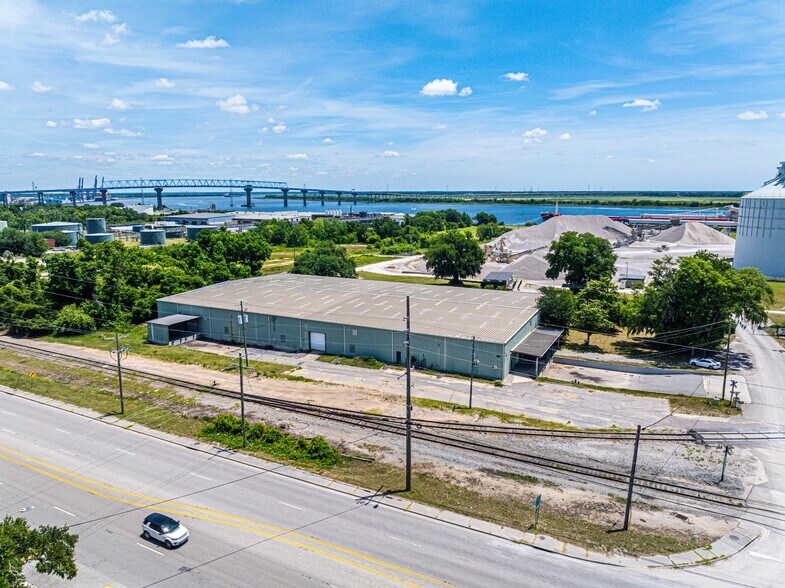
x=73, y=319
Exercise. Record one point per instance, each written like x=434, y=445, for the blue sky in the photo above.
x=513, y=95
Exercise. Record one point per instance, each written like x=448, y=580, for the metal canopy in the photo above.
x=501, y=277
x=538, y=342
x=173, y=319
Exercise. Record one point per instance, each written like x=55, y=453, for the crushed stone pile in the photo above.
x=693, y=234
x=542, y=235
x=529, y=267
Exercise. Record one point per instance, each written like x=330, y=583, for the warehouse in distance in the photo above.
x=364, y=317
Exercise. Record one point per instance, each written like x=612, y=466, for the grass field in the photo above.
x=779, y=295
x=411, y=279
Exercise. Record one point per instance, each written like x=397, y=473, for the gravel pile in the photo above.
x=693, y=234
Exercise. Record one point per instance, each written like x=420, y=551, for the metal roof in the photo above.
x=200, y=215
x=774, y=188
x=498, y=277
x=445, y=311
x=173, y=319
x=538, y=342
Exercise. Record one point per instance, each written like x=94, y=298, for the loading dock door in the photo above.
x=318, y=341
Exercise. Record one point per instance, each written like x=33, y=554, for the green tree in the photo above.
x=582, y=256
x=71, y=319
x=604, y=292
x=454, y=255
x=59, y=237
x=693, y=298
x=593, y=317
x=386, y=227
x=489, y=231
x=325, y=259
x=557, y=306
x=485, y=218
x=51, y=548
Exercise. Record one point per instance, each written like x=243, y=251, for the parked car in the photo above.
x=164, y=529
x=706, y=362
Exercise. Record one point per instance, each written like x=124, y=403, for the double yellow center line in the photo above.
x=329, y=550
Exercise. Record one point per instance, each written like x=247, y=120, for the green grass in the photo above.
x=504, y=417
x=164, y=409
x=363, y=361
x=412, y=279
x=779, y=295
x=683, y=403
x=136, y=337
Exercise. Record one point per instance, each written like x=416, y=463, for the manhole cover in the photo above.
x=184, y=569
x=734, y=537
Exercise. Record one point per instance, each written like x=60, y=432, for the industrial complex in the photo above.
x=449, y=326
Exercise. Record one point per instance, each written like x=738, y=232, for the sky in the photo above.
x=395, y=94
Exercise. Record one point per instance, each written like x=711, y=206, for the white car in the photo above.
x=706, y=362
x=164, y=529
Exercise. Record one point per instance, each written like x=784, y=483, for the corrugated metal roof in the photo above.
x=173, y=319
x=538, y=342
x=498, y=277
x=772, y=189
x=490, y=316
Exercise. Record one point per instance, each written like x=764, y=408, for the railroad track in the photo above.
x=424, y=430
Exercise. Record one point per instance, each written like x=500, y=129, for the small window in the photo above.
x=351, y=348
x=354, y=332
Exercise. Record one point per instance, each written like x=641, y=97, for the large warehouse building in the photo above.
x=364, y=317
x=761, y=231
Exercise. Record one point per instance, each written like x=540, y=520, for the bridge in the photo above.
x=158, y=187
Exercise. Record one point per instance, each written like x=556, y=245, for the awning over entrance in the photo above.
x=173, y=329
x=538, y=342
x=534, y=353
x=172, y=319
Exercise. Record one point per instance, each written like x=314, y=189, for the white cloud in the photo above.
x=162, y=159
x=118, y=104
x=237, y=104
x=164, y=83
x=441, y=87
x=279, y=128
x=534, y=135
x=207, y=43
x=110, y=40
x=121, y=29
x=650, y=160
x=642, y=103
x=104, y=16
x=565, y=137
x=328, y=141
x=292, y=169
x=37, y=86
x=92, y=123
x=5, y=86
x=122, y=132
x=90, y=146
x=391, y=154
x=50, y=124
x=781, y=115
x=516, y=77
x=271, y=120
x=466, y=91
x=609, y=157
x=592, y=113
x=265, y=130
x=750, y=115
x=302, y=156
x=37, y=154
x=439, y=127
x=258, y=142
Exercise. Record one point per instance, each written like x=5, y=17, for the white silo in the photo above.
x=760, y=236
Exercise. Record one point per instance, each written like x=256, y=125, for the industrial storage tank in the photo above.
x=137, y=228
x=193, y=231
x=73, y=236
x=760, y=235
x=152, y=237
x=96, y=225
x=99, y=237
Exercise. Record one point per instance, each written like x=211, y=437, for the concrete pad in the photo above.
x=722, y=548
x=705, y=553
x=656, y=560
x=424, y=510
x=454, y=518
x=485, y=527
x=576, y=552
x=512, y=534
x=341, y=487
x=686, y=558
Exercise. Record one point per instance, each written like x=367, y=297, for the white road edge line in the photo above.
x=6, y=412
x=149, y=549
x=202, y=477
x=61, y=430
x=8, y=431
x=68, y=452
x=290, y=505
x=65, y=511
x=128, y=452
x=404, y=541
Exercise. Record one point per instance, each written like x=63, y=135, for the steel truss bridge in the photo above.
x=158, y=186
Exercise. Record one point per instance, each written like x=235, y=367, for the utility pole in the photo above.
x=243, y=320
x=118, y=353
x=471, y=372
x=408, y=396
x=728, y=450
x=242, y=396
x=727, y=354
x=628, y=509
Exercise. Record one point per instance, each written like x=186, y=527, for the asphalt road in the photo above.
x=248, y=528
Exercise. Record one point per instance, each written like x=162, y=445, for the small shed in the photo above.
x=173, y=329
x=532, y=355
x=630, y=280
x=497, y=280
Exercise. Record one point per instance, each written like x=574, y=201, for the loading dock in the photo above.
x=318, y=341
x=535, y=352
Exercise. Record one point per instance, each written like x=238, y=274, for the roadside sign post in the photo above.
x=728, y=450
x=537, y=502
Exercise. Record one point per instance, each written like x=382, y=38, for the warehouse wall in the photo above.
x=428, y=351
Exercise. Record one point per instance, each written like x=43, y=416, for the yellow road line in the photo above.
x=183, y=509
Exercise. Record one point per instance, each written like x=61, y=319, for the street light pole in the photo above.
x=727, y=354
x=245, y=341
x=242, y=396
x=408, y=396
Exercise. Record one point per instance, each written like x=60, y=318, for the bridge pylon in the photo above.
x=160, y=201
x=248, y=190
